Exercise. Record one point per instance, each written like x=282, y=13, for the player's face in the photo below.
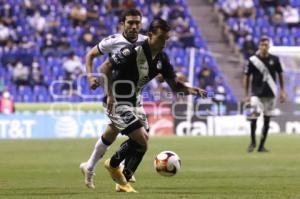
x=159, y=39
x=132, y=27
x=264, y=47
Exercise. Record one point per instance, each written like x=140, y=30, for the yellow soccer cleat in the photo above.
x=125, y=188
x=115, y=173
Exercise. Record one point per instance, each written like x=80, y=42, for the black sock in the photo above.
x=124, y=150
x=133, y=160
x=253, y=129
x=104, y=141
x=264, y=131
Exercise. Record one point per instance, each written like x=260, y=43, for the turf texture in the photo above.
x=212, y=168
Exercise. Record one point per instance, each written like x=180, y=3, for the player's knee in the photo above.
x=110, y=134
x=147, y=135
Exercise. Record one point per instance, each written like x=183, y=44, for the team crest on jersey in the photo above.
x=125, y=52
x=159, y=65
x=271, y=62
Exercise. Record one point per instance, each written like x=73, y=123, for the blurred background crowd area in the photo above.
x=245, y=21
x=45, y=41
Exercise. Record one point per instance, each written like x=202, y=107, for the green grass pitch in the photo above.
x=212, y=167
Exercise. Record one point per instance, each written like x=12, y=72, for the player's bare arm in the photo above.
x=282, y=91
x=246, y=88
x=93, y=81
x=106, y=71
x=180, y=87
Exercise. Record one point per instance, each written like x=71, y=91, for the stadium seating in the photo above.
x=48, y=32
x=282, y=33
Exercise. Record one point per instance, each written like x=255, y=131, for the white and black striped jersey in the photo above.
x=113, y=43
x=134, y=67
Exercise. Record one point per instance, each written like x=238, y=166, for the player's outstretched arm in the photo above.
x=180, y=87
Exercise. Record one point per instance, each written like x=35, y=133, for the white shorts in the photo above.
x=263, y=105
x=127, y=118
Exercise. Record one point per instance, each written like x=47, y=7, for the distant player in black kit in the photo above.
x=134, y=66
x=263, y=67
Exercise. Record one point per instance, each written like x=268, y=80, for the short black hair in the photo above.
x=159, y=23
x=264, y=38
x=130, y=12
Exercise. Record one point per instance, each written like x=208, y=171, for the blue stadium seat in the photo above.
x=27, y=98
x=262, y=22
x=295, y=32
x=40, y=89
x=282, y=32
x=43, y=97
x=24, y=90
x=12, y=89
x=287, y=41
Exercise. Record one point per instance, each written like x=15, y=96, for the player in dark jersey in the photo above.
x=134, y=66
x=263, y=68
